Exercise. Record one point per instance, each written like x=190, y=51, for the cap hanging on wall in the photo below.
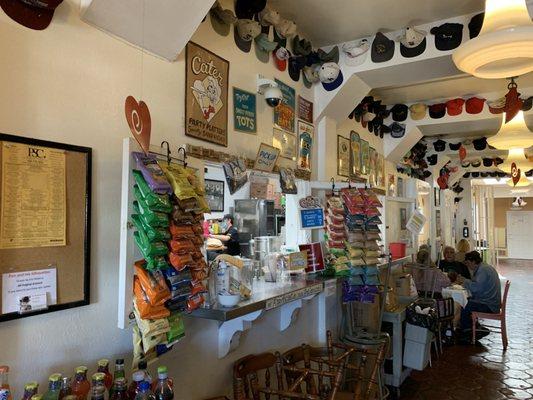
x=32, y=14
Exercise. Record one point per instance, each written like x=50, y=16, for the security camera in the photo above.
x=270, y=90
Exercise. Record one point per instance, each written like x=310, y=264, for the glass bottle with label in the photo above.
x=81, y=386
x=98, y=388
x=66, y=387
x=119, y=390
x=5, y=391
x=103, y=367
x=163, y=389
x=30, y=390
x=54, y=387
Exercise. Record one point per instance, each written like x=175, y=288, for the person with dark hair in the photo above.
x=230, y=238
x=485, y=292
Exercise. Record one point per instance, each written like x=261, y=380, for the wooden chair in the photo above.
x=252, y=372
x=501, y=316
x=446, y=315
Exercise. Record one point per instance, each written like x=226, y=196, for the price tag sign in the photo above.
x=244, y=111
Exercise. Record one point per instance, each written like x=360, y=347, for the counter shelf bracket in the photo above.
x=288, y=313
x=229, y=332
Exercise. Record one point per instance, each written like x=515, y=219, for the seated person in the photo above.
x=230, y=238
x=449, y=264
x=485, y=291
x=463, y=247
x=430, y=278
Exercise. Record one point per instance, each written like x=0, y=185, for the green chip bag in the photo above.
x=177, y=328
x=152, y=218
x=154, y=234
x=147, y=248
x=155, y=202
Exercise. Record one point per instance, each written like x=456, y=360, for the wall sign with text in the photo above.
x=284, y=114
x=266, y=158
x=244, y=111
x=305, y=110
x=306, y=133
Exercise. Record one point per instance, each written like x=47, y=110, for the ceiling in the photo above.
x=325, y=24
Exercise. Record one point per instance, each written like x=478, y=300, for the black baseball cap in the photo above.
x=295, y=65
x=439, y=145
x=397, y=130
x=527, y=103
x=484, y=174
x=475, y=174
x=454, y=146
x=432, y=159
x=246, y=9
x=399, y=112
x=466, y=175
x=487, y=162
x=410, y=52
x=382, y=48
x=426, y=174
x=475, y=24
x=437, y=111
x=448, y=36
x=480, y=144
x=458, y=189
x=32, y=14
x=457, y=199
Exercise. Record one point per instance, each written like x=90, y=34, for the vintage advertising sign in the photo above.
x=365, y=157
x=206, y=95
x=244, y=111
x=284, y=114
x=305, y=110
x=266, y=158
x=355, y=155
x=343, y=156
x=285, y=142
x=306, y=134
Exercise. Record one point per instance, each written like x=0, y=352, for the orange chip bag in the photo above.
x=180, y=261
x=181, y=246
x=146, y=310
x=153, y=284
x=180, y=231
x=198, y=274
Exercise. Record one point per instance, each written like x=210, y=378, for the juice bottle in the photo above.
x=103, y=366
x=81, y=386
x=54, y=387
x=5, y=391
x=138, y=377
x=98, y=389
x=144, y=368
x=66, y=387
x=30, y=389
x=163, y=389
x=119, y=390
x=119, y=369
x=144, y=392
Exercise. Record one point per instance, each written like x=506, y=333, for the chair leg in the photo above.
x=505, y=342
x=474, y=321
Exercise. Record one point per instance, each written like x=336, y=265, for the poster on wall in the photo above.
x=284, y=114
x=306, y=134
x=285, y=142
x=355, y=155
x=305, y=110
x=372, y=173
x=206, y=95
x=365, y=157
x=266, y=158
x=244, y=111
x=214, y=194
x=343, y=156
x=437, y=224
x=380, y=171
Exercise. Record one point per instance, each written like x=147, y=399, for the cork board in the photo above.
x=71, y=260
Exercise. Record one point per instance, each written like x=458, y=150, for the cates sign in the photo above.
x=206, y=95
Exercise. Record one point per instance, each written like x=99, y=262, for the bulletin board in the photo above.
x=69, y=256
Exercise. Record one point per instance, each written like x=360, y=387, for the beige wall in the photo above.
x=502, y=205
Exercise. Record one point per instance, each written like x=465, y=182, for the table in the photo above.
x=460, y=296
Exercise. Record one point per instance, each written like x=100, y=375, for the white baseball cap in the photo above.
x=269, y=17
x=285, y=28
x=355, y=53
x=330, y=75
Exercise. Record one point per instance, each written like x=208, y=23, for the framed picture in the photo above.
x=305, y=110
x=285, y=142
x=244, y=111
x=306, y=134
x=285, y=113
x=403, y=218
x=372, y=159
x=266, y=158
x=399, y=188
x=355, y=153
x=206, y=95
x=437, y=224
x=343, y=156
x=214, y=194
x=365, y=157
x=436, y=194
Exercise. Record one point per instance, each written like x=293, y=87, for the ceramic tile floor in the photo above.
x=484, y=371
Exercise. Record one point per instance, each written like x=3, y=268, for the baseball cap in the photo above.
x=476, y=163
x=487, y=162
x=475, y=174
x=454, y=146
x=301, y=47
x=465, y=163
x=448, y=36
x=418, y=111
x=527, y=103
x=432, y=159
x=221, y=19
x=263, y=47
x=397, y=130
x=330, y=75
x=480, y=144
x=283, y=30
x=330, y=56
x=439, y=145
x=455, y=106
x=412, y=42
x=245, y=31
x=269, y=17
x=246, y=9
x=437, y=111
x=311, y=73
x=399, y=112
x=475, y=24
x=33, y=14
x=497, y=106
x=474, y=105
x=382, y=48
x=355, y=53
x=296, y=64
x=281, y=55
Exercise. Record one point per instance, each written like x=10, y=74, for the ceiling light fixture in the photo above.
x=517, y=157
x=512, y=135
x=504, y=47
x=523, y=182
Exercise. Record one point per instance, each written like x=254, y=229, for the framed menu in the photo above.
x=343, y=156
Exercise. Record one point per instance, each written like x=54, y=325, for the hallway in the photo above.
x=484, y=372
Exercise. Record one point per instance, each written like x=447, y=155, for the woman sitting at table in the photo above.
x=449, y=263
x=427, y=277
x=463, y=247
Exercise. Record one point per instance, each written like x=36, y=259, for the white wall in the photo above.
x=68, y=84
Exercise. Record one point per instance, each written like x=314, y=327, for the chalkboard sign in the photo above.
x=311, y=218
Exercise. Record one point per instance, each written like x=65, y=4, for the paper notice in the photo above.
x=33, y=209
x=21, y=290
x=416, y=222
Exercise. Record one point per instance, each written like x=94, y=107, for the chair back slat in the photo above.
x=505, y=293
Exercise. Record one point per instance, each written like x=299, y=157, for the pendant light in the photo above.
x=512, y=135
x=504, y=46
x=518, y=157
x=523, y=182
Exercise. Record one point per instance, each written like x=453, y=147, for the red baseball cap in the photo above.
x=33, y=14
x=474, y=105
x=497, y=106
x=281, y=55
x=455, y=106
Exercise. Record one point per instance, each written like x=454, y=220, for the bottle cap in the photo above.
x=82, y=369
x=119, y=361
x=55, y=377
x=31, y=385
x=138, y=376
x=162, y=369
x=143, y=364
x=144, y=386
x=104, y=362
x=37, y=397
x=98, y=376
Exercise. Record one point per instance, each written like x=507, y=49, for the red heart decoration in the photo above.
x=462, y=152
x=442, y=181
x=139, y=121
x=515, y=173
x=513, y=104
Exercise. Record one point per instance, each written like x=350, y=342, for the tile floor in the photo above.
x=484, y=371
